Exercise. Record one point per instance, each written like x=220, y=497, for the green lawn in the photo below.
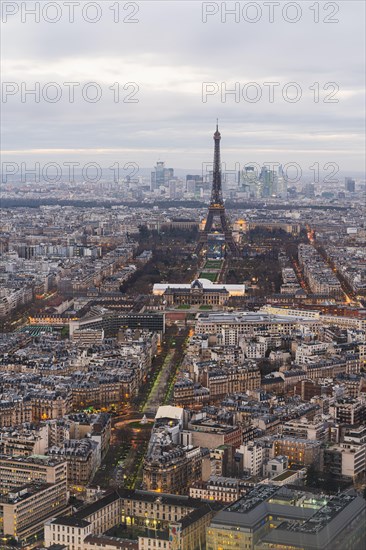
x=184, y=306
x=205, y=307
x=210, y=276
x=213, y=264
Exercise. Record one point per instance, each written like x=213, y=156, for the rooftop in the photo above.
x=71, y=521
x=309, y=521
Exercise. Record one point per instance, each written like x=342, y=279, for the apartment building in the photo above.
x=345, y=460
x=305, y=429
x=173, y=470
x=252, y=457
x=219, y=489
x=348, y=410
x=25, y=440
x=83, y=457
x=19, y=471
x=25, y=510
x=298, y=451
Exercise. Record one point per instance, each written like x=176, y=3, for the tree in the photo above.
x=312, y=476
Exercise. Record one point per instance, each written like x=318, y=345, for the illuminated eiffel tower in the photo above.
x=216, y=210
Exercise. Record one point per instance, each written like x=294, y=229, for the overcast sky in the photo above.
x=169, y=53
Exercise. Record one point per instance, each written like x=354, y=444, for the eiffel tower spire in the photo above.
x=216, y=193
x=217, y=206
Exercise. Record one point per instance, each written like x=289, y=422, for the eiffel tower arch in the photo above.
x=216, y=210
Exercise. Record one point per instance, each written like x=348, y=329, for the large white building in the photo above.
x=358, y=323
x=253, y=457
x=199, y=292
x=345, y=460
x=233, y=290
x=233, y=325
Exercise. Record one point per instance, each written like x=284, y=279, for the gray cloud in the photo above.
x=169, y=53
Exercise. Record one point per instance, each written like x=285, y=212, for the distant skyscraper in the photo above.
x=161, y=176
x=191, y=187
x=268, y=180
x=172, y=189
x=350, y=185
x=269, y=183
x=195, y=177
x=193, y=183
x=249, y=181
x=281, y=183
x=309, y=190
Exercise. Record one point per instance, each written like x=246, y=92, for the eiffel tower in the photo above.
x=217, y=207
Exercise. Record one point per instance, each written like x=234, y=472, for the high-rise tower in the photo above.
x=216, y=210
